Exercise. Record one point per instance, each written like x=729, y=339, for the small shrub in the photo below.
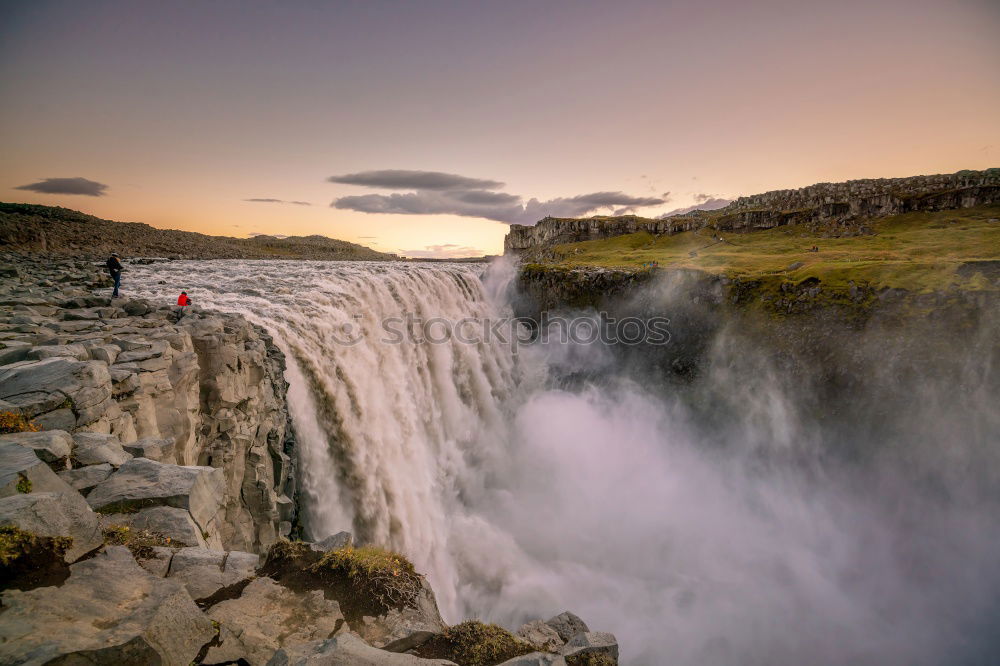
x=14, y=422
x=385, y=576
x=473, y=643
x=23, y=484
x=139, y=542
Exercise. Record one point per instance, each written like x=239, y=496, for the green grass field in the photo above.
x=916, y=251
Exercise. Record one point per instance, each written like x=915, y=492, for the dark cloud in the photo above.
x=705, y=202
x=666, y=197
x=493, y=205
x=403, y=179
x=280, y=201
x=77, y=185
x=446, y=251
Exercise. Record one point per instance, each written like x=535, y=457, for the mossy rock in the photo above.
x=365, y=581
x=28, y=561
x=474, y=643
x=139, y=542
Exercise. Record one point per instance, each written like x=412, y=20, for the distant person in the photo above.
x=183, y=299
x=114, y=265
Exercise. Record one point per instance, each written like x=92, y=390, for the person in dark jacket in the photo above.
x=114, y=265
x=183, y=299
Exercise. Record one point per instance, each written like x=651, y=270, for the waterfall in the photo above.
x=703, y=525
x=396, y=435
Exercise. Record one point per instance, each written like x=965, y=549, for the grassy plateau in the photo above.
x=919, y=252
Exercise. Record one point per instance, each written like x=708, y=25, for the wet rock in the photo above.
x=266, y=617
x=541, y=635
x=109, y=611
x=591, y=642
x=567, y=625
x=204, y=572
x=346, y=649
x=333, y=542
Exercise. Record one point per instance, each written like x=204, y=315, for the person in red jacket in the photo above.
x=183, y=299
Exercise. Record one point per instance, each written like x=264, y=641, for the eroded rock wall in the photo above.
x=209, y=384
x=841, y=208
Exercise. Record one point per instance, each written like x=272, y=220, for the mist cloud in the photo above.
x=448, y=194
x=76, y=185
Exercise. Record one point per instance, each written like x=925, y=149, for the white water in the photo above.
x=521, y=497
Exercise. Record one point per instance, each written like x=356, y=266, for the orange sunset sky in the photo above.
x=425, y=128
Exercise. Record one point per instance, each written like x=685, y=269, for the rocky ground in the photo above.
x=147, y=493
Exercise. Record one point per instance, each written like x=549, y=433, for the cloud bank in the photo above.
x=446, y=251
x=437, y=193
x=77, y=185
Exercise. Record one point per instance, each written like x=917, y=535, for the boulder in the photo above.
x=204, y=572
x=333, y=542
x=346, y=650
x=106, y=353
x=591, y=642
x=109, y=611
x=91, y=448
x=567, y=625
x=53, y=351
x=85, y=478
x=159, y=563
x=268, y=616
x=21, y=471
x=141, y=483
x=12, y=351
x=536, y=659
x=168, y=521
x=41, y=386
x=541, y=635
x=54, y=514
x=160, y=450
x=52, y=446
x=401, y=630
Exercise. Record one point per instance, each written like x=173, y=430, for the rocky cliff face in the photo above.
x=198, y=388
x=838, y=208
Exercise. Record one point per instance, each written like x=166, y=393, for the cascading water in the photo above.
x=522, y=491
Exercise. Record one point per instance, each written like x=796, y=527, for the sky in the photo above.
x=427, y=127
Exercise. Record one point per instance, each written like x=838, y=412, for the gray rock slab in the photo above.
x=85, y=478
x=109, y=611
x=92, y=448
x=346, y=650
x=267, y=617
